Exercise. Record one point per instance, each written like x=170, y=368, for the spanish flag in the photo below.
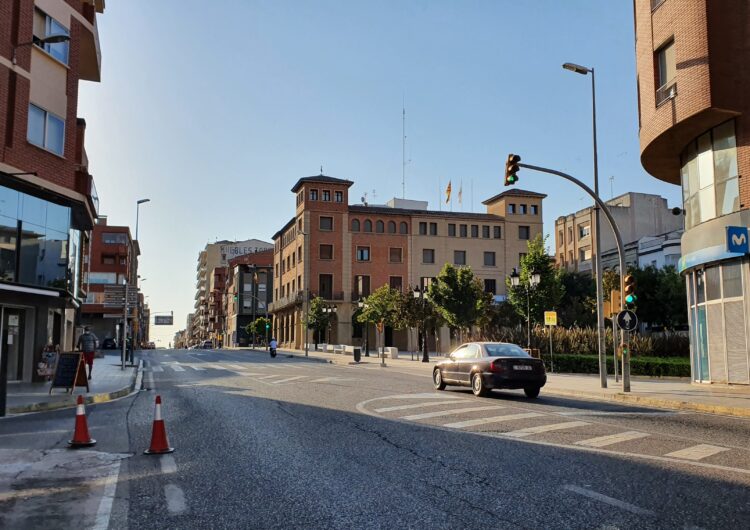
x=448, y=193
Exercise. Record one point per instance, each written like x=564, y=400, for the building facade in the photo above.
x=248, y=294
x=48, y=200
x=693, y=76
x=343, y=252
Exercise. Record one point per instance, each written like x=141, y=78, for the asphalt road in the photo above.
x=288, y=443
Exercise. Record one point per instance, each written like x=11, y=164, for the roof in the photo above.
x=359, y=208
x=515, y=192
x=322, y=179
x=264, y=258
x=283, y=228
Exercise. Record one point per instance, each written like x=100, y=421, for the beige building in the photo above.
x=637, y=215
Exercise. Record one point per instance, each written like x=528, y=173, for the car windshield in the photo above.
x=504, y=350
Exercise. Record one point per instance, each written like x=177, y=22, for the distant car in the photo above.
x=109, y=344
x=487, y=365
x=151, y=346
x=207, y=345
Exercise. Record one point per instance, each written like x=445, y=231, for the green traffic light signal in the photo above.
x=511, y=168
x=631, y=298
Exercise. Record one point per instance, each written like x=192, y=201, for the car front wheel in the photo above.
x=437, y=379
x=477, y=385
x=531, y=391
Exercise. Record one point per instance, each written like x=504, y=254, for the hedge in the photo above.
x=648, y=366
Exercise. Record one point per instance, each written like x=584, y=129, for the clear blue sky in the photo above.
x=213, y=111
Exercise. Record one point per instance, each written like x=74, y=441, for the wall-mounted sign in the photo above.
x=738, y=239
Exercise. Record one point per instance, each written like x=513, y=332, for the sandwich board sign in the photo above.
x=70, y=372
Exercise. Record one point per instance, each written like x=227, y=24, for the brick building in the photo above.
x=693, y=76
x=248, y=293
x=48, y=200
x=343, y=252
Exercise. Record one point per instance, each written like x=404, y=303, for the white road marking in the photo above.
x=333, y=379
x=175, y=499
x=494, y=419
x=603, y=441
x=157, y=368
x=697, y=452
x=270, y=376
x=236, y=366
x=168, y=465
x=215, y=366
x=177, y=368
x=528, y=431
x=632, y=508
x=198, y=368
x=419, y=405
x=104, y=512
x=439, y=413
x=295, y=378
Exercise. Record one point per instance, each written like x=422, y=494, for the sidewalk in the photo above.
x=673, y=393
x=109, y=382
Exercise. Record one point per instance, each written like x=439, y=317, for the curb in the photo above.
x=654, y=402
x=88, y=400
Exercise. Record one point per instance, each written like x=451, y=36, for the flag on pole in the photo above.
x=448, y=193
x=460, y=193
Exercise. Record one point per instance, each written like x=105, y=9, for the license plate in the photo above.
x=522, y=367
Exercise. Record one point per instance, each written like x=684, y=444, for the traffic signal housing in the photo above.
x=630, y=296
x=511, y=168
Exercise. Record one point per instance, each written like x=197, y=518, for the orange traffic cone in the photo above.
x=159, y=442
x=81, y=436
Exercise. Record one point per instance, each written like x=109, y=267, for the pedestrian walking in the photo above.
x=87, y=343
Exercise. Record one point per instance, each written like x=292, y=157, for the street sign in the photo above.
x=627, y=320
x=114, y=296
x=163, y=320
x=738, y=239
x=550, y=318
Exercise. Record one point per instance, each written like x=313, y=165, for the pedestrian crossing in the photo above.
x=508, y=420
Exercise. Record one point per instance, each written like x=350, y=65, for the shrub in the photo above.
x=647, y=366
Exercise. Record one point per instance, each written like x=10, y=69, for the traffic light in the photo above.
x=268, y=326
x=511, y=168
x=630, y=297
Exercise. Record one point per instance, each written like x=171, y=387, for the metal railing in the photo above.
x=665, y=93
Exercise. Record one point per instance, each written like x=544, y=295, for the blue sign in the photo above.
x=737, y=239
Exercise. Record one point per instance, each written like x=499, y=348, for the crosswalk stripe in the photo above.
x=215, y=366
x=177, y=368
x=236, y=366
x=419, y=405
x=198, y=368
x=295, y=378
x=528, y=431
x=157, y=369
x=493, y=419
x=270, y=376
x=439, y=413
x=603, y=441
x=332, y=379
x=697, y=452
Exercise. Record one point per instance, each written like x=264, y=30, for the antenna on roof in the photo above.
x=403, y=148
x=321, y=170
x=364, y=199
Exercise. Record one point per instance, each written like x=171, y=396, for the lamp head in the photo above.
x=141, y=201
x=577, y=68
x=54, y=39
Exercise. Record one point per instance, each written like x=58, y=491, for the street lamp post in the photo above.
x=137, y=212
x=583, y=70
x=361, y=304
x=533, y=281
x=330, y=311
x=306, y=290
x=421, y=296
x=51, y=39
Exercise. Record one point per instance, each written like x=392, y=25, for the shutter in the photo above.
x=737, y=362
x=716, y=350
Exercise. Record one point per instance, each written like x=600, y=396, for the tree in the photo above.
x=317, y=319
x=497, y=318
x=578, y=303
x=418, y=313
x=381, y=307
x=610, y=282
x=459, y=297
x=544, y=297
x=661, y=296
x=258, y=327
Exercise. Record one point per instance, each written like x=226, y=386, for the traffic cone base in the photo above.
x=81, y=436
x=159, y=442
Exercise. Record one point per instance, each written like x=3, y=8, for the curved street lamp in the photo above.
x=50, y=39
x=422, y=295
x=361, y=304
x=534, y=279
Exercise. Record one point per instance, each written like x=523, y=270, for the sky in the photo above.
x=213, y=113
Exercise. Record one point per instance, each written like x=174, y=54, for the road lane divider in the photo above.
x=697, y=452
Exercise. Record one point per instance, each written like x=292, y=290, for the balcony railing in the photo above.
x=286, y=301
x=665, y=93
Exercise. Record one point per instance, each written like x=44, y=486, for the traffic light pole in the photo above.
x=621, y=255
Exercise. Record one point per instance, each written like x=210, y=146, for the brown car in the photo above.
x=487, y=365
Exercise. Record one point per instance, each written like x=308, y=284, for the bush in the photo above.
x=648, y=366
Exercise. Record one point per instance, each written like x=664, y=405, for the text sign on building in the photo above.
x=163, y=320
x=550, y=318
x=738, y=239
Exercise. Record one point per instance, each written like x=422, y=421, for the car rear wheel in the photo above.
x=477, y=385
x=531, y=391
x=437, y=379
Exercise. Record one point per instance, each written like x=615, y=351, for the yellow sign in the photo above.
x=550, y=318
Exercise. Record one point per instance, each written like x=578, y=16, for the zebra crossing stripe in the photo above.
x=697, y=452
x=177, y=368
x=295, y=378
x=157, y=368
x=198, y=368
x=419, y=405
x=439, y=413
x=270, y=376
x=528, y=431
x=236, y=366
x=332, y=379
x=611, y=439
x=493, y=419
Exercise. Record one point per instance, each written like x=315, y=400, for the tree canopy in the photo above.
x=459, y=297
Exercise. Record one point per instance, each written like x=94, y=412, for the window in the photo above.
x=299, y=254
x=46, y=130
x=327, y=195
x=403, y=228
x=433, y=229
x=425, y=283
x=667, y=68
x=326, y=223
x=422, y=229
x=108, y=260
x=497, y=233
x=108, y=278
x=523, y=209
x=462, y=230
x=523, y=232
x=489, y=259
x=395, y=255
x=485, y=231
x=452, y=230
x=367, y=226
x=534, y=209
x=123, y=261
x=391, y=227
x=584, y=254
x=731, y=274
x=379, y=227
x=474, y=230
x=313, y=195
x=326, y=251
x=570, y=234
x=58, y=50
x=584, y=231
x=325, y=286
x=459, y=257
x=339, y=195
x=361, y=286
x=114, y=238
x=490, y=286
x=363, y=253
x=428, y=255
x=560, y=238
x=355, y=225
x=396, y=282
x=511, y=208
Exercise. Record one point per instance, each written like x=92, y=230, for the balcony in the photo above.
x=286, y=301
x=91, y=54
x=84, y=184
x=585, y=265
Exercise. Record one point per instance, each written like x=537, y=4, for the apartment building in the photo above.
x=248, y=294
x=48, y=201
x=693, y=74
x=343, y=252
x=637, y=215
